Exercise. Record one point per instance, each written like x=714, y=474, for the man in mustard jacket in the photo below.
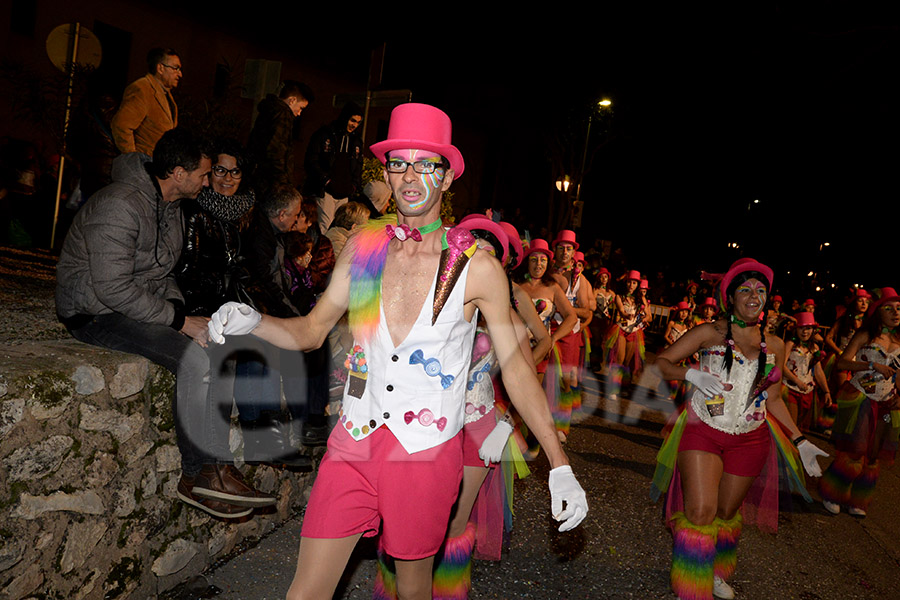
x=148, y=109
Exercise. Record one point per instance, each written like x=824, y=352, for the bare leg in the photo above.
x=701, y=474
x=473, y=477
x=413, y=579
x=319, y=567
x=732, y=491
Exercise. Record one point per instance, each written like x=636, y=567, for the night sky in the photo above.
x=794, y=107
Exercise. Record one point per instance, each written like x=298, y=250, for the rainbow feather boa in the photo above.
x=369, y=247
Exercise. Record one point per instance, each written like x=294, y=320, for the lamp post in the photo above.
x=601, y=104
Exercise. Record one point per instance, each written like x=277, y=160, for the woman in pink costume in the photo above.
x=868, y=420
x=624, y=343
x=722, y=440
x=548, y=295
x=802, y=371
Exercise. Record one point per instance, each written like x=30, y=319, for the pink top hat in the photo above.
x=710, y=301
x=567, y=236
x=602, y=271
x=861, y=293
x=740, y=266
x=636, y=275
x=809, y=302
x=888, y=294
x=777, y=298
x=515, y=242
x=681, y=306
x=476, y=222
x=539, y=245
x=420, y=127
x=578, y=257
x=644, y=285
x=805, y=319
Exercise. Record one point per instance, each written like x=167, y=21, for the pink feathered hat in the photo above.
x=416, y=126
x=475, y=222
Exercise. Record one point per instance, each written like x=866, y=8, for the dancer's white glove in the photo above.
x=565, y=488
x=808, y=453
x=706, y=382
x=232, y=318
x=492, y=448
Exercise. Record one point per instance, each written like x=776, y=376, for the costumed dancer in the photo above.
x=625, y=339
x=571, y=346
x=707, y=312
x=678, y=325
x=802, y=371
x=726, y=437
x=690, y=296
x=774, y=316
x=605, y=300
x=394, y=462
x=585, y=359
x=868, y=420
x=547, y=293
x=836, y=340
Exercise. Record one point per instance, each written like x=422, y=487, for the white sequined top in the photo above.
x=730, y=412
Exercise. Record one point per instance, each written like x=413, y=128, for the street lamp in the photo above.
x=602, y=103
x=563, y=184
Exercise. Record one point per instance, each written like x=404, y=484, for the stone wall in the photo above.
x=88, y=471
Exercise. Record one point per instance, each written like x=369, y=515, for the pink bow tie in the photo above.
x=403, y=232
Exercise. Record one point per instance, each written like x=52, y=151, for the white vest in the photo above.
x=418, y=388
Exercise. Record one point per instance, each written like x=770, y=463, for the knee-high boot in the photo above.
x=385, y=577
x=693, y=558
x=864, y=486
x=453, y=567
x=839, y=478
x=726, y=545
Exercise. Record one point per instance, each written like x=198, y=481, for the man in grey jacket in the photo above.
x=116, y=289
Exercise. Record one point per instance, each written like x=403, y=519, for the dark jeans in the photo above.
x=180, y=355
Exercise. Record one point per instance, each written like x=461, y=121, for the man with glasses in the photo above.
x=395, y=459
x=148, y=109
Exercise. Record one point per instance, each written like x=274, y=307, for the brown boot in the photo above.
x=213, y=507
x=225, y=483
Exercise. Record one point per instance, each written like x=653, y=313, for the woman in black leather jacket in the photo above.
x=208, y=272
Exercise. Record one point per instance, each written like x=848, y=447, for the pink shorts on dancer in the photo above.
x=374, y=481
x=743, y=455
x=474, y=435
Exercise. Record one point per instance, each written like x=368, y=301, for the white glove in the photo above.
x=565, y=488
x=808, y=453
x=232, y=318
x=706, y=382
x=492, y=448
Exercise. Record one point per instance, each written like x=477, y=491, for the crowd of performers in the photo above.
x=747, y=381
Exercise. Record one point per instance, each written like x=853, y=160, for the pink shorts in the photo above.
x=570, y=350
x=474, y=435
x=743, y=454
x=374, y=481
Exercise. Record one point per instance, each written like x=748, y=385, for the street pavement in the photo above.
x=622, y=549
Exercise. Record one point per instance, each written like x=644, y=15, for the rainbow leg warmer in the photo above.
x=839, y=478
x=693, y=557
x=453, y=567
x=562, y=415
x=385, y=577
x=864, y=486
x=726, y=545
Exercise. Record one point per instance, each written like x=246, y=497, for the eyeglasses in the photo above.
x=220, y=171
x=176, y=68
x=395, y=165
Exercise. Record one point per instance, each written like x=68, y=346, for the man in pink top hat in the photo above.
x=394, y=461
